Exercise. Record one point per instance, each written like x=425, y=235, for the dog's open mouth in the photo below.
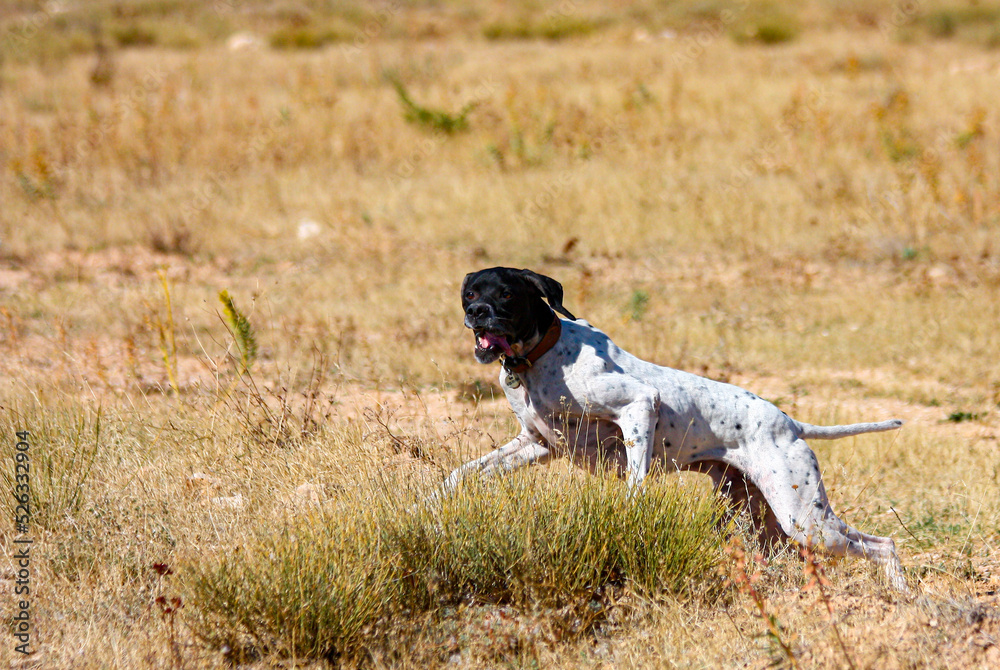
x=487, y=342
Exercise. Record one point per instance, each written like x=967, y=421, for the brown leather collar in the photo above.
x=520, y=364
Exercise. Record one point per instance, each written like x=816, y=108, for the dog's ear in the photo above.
x=550, y=289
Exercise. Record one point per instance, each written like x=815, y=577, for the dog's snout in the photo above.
x=478, y=311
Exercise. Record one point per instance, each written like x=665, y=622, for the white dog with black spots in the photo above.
x=577, y=394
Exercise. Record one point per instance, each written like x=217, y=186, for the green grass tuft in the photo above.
x=638, y=304
x=959, y=416
x=769, y=27
x=430, y=118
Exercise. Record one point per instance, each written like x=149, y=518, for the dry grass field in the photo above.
x=800, y=198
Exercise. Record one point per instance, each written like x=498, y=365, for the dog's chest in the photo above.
x=529, y=401
x=517, y=394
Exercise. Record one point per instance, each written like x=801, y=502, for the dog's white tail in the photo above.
x=808, y=431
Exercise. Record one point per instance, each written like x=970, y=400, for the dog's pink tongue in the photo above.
x=487, y=340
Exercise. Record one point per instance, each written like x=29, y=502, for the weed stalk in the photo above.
x=745, y=581
x=816, y=580
x=168, y=612
x=241, y=329
x=167, y=340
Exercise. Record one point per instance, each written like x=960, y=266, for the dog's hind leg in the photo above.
x=794, y=490
x=734, y=485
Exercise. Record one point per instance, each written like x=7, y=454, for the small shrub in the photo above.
x=899, y=145
x=580, y=536
x=993, y=38
x=134, y=35
x=35, y=189
x=775, y=32
x=975, y=22
x=309, y=590
x=304, y=38
x=553, y=29
x=941, y=24
x=768, y=28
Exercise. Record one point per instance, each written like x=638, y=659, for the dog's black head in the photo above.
x=506, y=309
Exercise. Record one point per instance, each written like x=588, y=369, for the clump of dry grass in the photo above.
x=69, y=442
x=313, y=590
x=343, y=581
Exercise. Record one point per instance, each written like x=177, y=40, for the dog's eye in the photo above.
x=507, y=295
x=470, y=295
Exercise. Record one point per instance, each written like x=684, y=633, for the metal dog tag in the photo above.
x=512, y=380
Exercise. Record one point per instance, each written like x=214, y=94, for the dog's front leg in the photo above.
x=635, y=407
x=638, y=424
x=523, y=450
